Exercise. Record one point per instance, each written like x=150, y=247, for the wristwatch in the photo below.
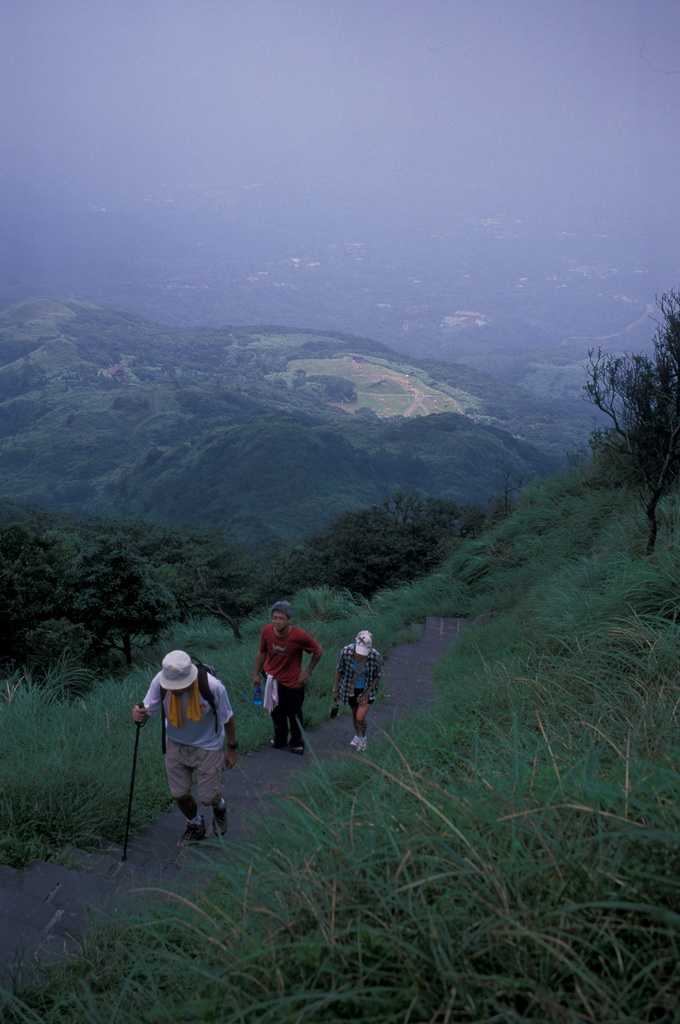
x=233, y=746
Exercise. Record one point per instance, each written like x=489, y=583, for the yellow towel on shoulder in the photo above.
x=175, y=716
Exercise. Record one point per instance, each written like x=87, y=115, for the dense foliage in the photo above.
x=105, y=585
x=98, y=586
x=384, y=545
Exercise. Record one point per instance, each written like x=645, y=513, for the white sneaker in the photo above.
x=356, y=742
x=361, y=745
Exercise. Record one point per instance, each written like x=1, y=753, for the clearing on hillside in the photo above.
x=386, y=391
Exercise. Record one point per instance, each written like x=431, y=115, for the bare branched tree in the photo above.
x=640, y=395
x=206, y=598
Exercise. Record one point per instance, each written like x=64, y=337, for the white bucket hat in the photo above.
x=178, y=671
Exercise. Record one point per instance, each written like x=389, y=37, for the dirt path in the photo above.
x=44, y=907
x=649, y=308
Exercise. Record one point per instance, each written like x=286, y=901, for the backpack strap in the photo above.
x=204, y=688
x=164, y=745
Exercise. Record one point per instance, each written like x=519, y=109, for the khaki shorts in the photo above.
x=182, y=760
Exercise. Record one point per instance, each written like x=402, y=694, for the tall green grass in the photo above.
x=513, y=857
x=68, y=737
x=420, y=885
x=65, y=770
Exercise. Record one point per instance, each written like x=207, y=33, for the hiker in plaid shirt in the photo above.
x=357, y=677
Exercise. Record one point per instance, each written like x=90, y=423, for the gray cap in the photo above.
x=282, y=606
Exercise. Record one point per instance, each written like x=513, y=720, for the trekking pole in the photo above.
x=132, y=786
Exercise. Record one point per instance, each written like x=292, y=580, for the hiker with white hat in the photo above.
x=357, y=677
x=197, y=716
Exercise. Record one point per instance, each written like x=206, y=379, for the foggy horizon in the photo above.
x=224, y=131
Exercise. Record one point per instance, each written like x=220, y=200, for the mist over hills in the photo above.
x=521, y=296
x=266, y=432
x=483, y=184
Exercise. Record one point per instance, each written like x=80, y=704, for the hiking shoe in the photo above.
x=219, y=820
x=192, y=833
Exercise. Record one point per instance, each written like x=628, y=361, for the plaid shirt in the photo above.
x=345, y=666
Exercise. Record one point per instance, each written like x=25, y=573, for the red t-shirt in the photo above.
x=284, y=653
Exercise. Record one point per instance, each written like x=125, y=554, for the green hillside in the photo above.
x=278, y=477
x=511, y=856
x=102, y=412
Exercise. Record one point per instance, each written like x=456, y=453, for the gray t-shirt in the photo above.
x=195, y=734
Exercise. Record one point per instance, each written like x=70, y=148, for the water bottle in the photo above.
x=335, y=707
x=257, y=696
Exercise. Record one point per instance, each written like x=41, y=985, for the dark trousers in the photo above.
x=287, y=715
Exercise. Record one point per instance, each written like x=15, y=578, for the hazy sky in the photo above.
x=540, y=101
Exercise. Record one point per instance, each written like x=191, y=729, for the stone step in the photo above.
x=43, y=909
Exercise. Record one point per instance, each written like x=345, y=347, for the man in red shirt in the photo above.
x=281, y=648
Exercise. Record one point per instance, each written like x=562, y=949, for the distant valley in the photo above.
x=265, y=432
x=517, y=297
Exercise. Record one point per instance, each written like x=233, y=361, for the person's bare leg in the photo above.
x=360, y=721
x=187, y=806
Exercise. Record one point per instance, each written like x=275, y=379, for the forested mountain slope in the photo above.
x=266, y=431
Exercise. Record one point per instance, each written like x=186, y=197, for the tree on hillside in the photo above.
x=118, y=601
x=202, y=570
x=33, y=573
x=500, y=505
x=640, y=395
x=383, y=545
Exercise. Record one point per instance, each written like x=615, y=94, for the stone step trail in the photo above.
x=45, y=907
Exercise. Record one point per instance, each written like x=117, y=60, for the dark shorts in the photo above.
x=354, y=701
